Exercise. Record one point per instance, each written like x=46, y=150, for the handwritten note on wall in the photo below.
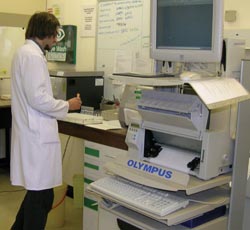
x=120, y=21
x=123, y=34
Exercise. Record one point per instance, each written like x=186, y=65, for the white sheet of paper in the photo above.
x=218, y=92
x=106, y=125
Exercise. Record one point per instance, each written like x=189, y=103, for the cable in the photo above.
x=65, y=193
x=65, y=149
x=60, y=201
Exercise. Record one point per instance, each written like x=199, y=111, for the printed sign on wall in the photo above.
x=65, y=49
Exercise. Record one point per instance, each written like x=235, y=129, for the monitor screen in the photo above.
x=186, y=30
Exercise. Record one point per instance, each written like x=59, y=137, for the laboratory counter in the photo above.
x=4, y=103
x=114, y=138
x=5, y=126
x=5, y=114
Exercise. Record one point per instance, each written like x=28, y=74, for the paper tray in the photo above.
x=181, y=182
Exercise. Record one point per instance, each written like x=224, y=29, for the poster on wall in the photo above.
x=57, y=9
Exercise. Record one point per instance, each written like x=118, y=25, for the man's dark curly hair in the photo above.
x=42, y=25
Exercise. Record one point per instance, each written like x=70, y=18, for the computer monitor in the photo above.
x=186, y=30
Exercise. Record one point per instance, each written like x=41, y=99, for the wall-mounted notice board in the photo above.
x=123, y=41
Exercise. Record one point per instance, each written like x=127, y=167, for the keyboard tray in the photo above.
x=217, y=197
x=155, y=201
x=145, y=75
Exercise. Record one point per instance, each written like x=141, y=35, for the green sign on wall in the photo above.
x=65, y=49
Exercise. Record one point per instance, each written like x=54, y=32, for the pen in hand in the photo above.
x=78, y=97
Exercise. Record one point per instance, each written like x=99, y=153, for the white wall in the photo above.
x=242, y=14
x=22, y=6
x=71, y=15
x=86, y=46
x=11, y=38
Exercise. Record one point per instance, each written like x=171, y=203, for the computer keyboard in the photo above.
x=155, y=201
x=83, y=119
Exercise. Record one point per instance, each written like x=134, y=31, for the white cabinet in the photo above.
x=95, y=156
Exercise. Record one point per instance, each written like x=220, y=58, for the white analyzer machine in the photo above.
x=179, y=132
x=181, y=146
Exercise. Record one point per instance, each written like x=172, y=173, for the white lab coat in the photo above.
x=35, y=145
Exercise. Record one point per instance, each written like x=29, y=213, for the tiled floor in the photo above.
x=11, y=198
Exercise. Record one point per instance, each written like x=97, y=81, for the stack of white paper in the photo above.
x=174, y=158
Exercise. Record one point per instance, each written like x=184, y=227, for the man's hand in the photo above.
x=75, y=103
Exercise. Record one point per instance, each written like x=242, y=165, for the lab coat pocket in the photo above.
x=48, y=130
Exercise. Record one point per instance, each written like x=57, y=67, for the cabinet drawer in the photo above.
x=102, y=152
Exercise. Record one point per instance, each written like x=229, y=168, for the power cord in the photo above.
x=66, y=190
x=66, y=147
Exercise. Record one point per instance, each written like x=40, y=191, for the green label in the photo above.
x=87, y=181
x=92, y=152
x=91, y=166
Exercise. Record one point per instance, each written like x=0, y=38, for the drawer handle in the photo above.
x=94, y=204
x=113, y=157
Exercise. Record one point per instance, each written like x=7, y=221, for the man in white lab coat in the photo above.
x=35, y=145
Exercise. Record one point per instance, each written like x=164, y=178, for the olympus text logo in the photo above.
x=150, y=169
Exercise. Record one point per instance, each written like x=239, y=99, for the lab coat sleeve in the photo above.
x=37, y=87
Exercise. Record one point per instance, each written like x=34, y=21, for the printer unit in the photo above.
x=178, y=131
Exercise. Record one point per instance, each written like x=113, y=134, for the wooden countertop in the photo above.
x=113, y=138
